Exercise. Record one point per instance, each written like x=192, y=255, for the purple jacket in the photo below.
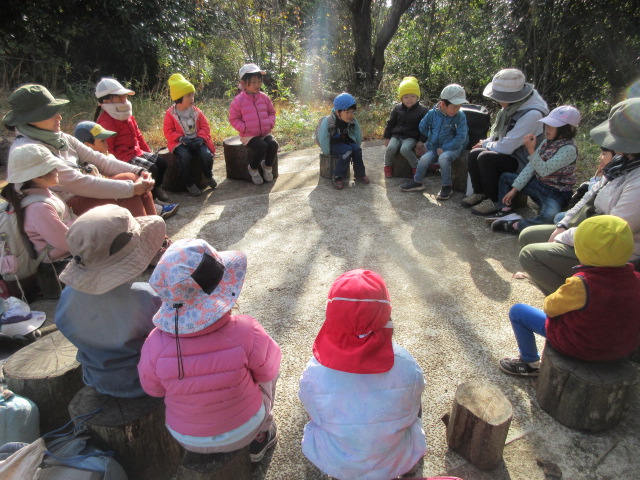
x=223, y=365
x=252, y=115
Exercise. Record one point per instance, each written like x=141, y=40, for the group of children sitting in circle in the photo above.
x=178, y=336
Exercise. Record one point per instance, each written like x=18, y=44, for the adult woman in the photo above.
x=548, y=255
x=35, y=115
x=522, y=107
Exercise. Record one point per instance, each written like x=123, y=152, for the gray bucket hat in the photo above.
x=31, y=103
x=508, y=86
x=621, y=132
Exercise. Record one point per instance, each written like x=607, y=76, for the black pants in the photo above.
x=186, y=153
x=262, y=149
x=485, y=168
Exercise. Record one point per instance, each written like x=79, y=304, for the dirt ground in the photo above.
x=451, y=284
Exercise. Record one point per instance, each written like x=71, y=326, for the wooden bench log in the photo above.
x=217, y=466
x=236, y=159
x=328, y=165
x=173, y=181
x=47, y=373
x=479, y=423
x=460, y=173
x=400, y=167
x=583, y=395
x=134, y=429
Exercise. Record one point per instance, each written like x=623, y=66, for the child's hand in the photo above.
x=420, y=149
x=509, y=196
x=198, y=141
x=386, y=142
x=530, y=143
x=439, y=151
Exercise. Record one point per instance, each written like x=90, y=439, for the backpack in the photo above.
x=18, y=259
x=478, y=122
x=317, y=130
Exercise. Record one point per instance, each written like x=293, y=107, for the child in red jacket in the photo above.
x=188, y=134
x=114, y=113
x=253, y=116
x=595, y=315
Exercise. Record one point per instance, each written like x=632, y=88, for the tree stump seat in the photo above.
x=216, y=466
x=479, y=422
x=400, y=167
x=173, y=181
x=583, y=395
x=236, y=159
x=47, y=373
x=134, y=428
x=328, y=165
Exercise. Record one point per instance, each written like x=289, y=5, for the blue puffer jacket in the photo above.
x=443, y=131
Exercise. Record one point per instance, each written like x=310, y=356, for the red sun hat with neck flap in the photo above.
x=356, y=335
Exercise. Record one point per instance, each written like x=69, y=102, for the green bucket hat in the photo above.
x=31, y=103
x=621, y=132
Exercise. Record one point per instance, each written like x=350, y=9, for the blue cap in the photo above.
x=344, y=101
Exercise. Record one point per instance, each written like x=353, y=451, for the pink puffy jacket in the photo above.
x=252, y=115
x=222, y=367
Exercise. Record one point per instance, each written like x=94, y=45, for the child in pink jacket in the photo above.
x=216, y=371
x=253, y=116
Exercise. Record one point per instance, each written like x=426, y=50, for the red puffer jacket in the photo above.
x=173, y=130
x=252, y=115
x=128, y=141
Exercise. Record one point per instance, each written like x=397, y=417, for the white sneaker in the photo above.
x=255, y=176
x=492, y=218
x=267, y=171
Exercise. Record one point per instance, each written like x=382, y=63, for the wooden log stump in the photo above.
x=133, y=428
x=173, y=181
x=583, y=395
x=479, y=423
x=460, y=173
x=236, y=159
x=47, y=373
x=400, y=167
x=217, y=466
x=328, y=165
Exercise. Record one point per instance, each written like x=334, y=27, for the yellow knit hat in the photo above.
x=179, y=86
x=603, y=241
x=408, y=86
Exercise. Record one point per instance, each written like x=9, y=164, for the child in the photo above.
x=102, y=310
x=188, y=134
x=549, y=176
x=114, y=112
x=339, y=135
x=217, y=371
x=402, y=131
x=252, y=114
x=94, y=136
x=31, y=170
x=361, y=390
x=594, y=315
x=446, y=133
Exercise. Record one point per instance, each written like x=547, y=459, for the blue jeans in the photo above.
x=525, y=321
x=407, y=149
x=346, y=153
x=444, y=160
x=186, y=153
x=550, y=200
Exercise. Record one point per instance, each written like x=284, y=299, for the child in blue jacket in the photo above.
x=445, y=128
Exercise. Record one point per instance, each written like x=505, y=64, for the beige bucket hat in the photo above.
x=30, y=161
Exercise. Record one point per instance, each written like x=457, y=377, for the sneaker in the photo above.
x=255, y=176
x=160, y=194
x=412, y=186
x=495, y=217
x=504, y=226
x=212, y=183
x=337, y=183
x=515, y=366
x=473, y=199
x=485, y=207
x=363, y=179
x=169, y=210
x=263, y=442
x=267, y=172
x=193, y=191
x=444, y=193
x=388, y=172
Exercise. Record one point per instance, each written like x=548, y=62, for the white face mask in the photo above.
x=119, y=111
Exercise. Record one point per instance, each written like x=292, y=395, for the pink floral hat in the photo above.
x=197, y=284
